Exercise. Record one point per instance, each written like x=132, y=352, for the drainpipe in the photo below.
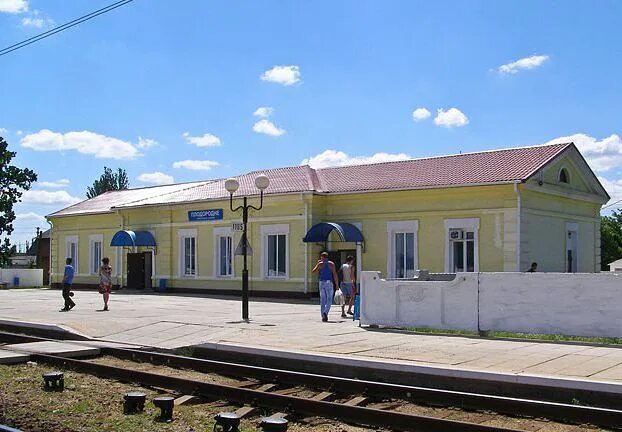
x=306, y=213
x=518, y=224
x=50, y=251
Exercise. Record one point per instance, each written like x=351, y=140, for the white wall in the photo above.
x=549, y=303
x=27, y=277
x=580, y=304
x=432, y=304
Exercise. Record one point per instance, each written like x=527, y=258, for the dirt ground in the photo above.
x=94, y=404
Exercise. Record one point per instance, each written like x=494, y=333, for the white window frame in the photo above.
x=218, y=233
x=397, y=227
x=183, y=234
x=276, y=229
x=68, y=241
x=471, y=224
x=95, y=238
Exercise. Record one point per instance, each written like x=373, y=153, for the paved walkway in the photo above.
x=170, y=321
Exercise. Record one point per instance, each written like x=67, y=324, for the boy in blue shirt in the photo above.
x=67, y=281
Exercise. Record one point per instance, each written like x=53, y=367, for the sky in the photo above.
x=176, y=91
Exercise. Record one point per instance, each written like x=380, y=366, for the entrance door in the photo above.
x=571, y=252
x=136, y=270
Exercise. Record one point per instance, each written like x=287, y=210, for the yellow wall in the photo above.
x=543, y=217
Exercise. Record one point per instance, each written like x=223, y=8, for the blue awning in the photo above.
x=346, y=232
x=145, y=238
x=133, y=238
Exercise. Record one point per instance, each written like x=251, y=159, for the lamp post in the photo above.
x=232, y=185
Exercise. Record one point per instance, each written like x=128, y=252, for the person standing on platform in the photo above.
x=105, y=280
x=67, y=281
x=348, y=285
x=328, y=275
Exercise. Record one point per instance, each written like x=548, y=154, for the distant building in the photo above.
x=616, y=266
x=490, y=211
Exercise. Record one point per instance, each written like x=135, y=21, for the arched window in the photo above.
x=563, y=176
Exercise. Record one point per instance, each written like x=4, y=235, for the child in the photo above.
x=105, y=280
x=67, y=281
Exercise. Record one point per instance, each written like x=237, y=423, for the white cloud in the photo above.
x=531, y=62
x=207, y=140
x=13, y=6
x=601, y=155
x=19, y=132
x=3, y=130
x=54, y=185
x=30, y=217
x=267, y=127
x=614, y=189
x=421, y=114
x=85, y=142
x=146, y=142
x=196, y=165
x=332, y=158
x=157, y=178
x=263, y=112
x=453, y=117
x=46, y=197
x=37, y=22
x=286, y=75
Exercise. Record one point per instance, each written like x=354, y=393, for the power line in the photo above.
x=62, y=27
x=612, y=204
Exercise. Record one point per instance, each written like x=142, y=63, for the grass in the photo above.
x=523, y=336
x=88, y=404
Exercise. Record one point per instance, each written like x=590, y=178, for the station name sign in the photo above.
x=204, y=215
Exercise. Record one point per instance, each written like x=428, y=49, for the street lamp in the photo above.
x=232, y=185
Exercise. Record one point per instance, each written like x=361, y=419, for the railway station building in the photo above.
x=492, y=211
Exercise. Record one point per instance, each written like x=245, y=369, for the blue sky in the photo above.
x=171, y=91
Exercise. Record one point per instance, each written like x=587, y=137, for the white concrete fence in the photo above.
x=28, y=278
x=545, y=303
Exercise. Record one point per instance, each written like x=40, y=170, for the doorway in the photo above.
x=571, y=251
x=139, y=270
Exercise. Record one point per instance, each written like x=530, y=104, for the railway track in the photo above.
x=271, y=392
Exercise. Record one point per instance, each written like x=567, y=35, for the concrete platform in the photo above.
x=12, y=357
x=54, y=348
x=295, y=328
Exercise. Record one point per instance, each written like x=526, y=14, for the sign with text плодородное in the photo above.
x=204, y=215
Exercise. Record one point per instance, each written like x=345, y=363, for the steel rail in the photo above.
x=429, y=396
x=297, y=405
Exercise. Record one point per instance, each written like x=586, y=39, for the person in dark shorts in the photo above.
x=67, y=281
x=348, y=285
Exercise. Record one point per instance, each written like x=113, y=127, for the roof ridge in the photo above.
x=198, y=184
x=448, y=156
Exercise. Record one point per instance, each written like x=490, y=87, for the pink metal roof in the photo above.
x=498, y=166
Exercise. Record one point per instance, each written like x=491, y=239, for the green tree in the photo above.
x=108, y=181
x=610, y=239
x=13, y=182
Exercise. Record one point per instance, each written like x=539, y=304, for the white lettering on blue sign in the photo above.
x=203, y=215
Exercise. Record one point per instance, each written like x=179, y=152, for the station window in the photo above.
x=461, y=249
x=223, y=253
x=71, y=243
x=402, y=249
x=95, y=252
x=188, y=253
x=275, y=258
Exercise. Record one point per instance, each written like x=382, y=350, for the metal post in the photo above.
x=245, y=207
x=245, y=270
